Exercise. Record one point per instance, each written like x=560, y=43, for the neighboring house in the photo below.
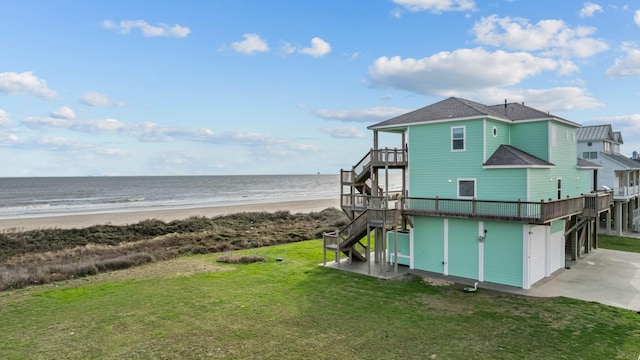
x=491, y=192
x=601, y=145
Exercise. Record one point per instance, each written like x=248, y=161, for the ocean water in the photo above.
x=42, y=196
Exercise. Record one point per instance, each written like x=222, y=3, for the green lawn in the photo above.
x=295, y=309
x=619, y=243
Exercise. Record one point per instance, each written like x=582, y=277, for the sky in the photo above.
x=234, y=87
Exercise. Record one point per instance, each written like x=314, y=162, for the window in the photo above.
x=466, y=188
x=590, y=155
x=494, y=131
x=457, y=138
x=607, y=146
x=559, y=189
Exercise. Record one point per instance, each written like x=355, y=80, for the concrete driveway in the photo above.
x=605, y=276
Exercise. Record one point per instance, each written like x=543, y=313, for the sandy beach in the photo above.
x=123, y=218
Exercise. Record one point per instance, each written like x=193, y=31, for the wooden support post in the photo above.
x=574, y=245
x=368, y=255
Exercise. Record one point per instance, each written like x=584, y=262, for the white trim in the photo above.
x=547, y=255
x=481, y=251
x=411, y=250
x=445, y=260
x=408, y=124
x=518, y=166
x=526, y=263
x=475, y=188
x=464, y=138
x=484, y=141
x=528, y=185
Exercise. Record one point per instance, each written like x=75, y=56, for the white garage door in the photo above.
x=556, y=251
x=537, y=253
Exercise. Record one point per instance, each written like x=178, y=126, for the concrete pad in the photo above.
x=605, y=276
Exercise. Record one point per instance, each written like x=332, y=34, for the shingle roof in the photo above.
x=519, y=112
x=451, y=108
x=457, y=108
x=507, y=155
x=623, y=160
x=587, y=164
x=595, y=133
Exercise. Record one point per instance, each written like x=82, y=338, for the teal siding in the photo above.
x=557, y=226
x=503, y=253
x=463, y=248
x=404, y=246
x=432, y=163
x=492, y=143
x=434, y=169
x=531, y=137
x=543, y=182
x=428, y=244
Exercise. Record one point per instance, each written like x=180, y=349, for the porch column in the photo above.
x=625, y=216
x=618, y=206
x=608, y=220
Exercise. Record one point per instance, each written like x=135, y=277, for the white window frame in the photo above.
x=475, y=188
x=464, y=138
x=607, y=147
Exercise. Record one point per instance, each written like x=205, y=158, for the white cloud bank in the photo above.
x=161, y=30
x=4, y=119
x=25, y=83
x=346, y=132
x=374, y=114
x=553, y=37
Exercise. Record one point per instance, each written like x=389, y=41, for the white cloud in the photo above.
x=318, y=48
x=437, y=6
x=4, y=119
x=251, y=43
x=629, y=65
x=64, y=112
x=24, y=83
x=463, y=69
x=589, y=9
x=126, y=26
x=287, y=48
x=43, y=142
x=112, y=152
x=361, y=115
x=552, y=36
x=636, y=17
x=93, y=98
x=552, y=99
x=90, y=126
x=346, y=132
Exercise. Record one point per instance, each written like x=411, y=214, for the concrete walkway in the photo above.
x=605, y=276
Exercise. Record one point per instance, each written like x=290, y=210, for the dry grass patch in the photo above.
x=241, y=259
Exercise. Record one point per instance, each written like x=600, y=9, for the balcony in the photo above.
x=522, y=211
x=597, y=202
x=626, y=192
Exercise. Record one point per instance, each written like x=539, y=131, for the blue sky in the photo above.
x=288, y=87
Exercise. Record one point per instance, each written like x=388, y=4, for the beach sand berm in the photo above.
x=123, y=218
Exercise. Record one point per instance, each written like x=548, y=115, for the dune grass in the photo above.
x=293, y=309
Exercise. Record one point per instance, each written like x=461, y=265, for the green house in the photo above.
x=491, y=193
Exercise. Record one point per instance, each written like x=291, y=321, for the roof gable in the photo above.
x=509, y=156
x=595, y=133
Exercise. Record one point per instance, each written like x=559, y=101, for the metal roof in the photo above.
x=587, y=164
x=595, y=133
x=623, y=160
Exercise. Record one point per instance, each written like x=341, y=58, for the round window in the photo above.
x=494, y=131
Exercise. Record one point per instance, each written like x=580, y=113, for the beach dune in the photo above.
x=124, y=218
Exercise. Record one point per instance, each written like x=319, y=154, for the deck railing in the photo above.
x=533, y=212
x=597, y=202
x=359, y=202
